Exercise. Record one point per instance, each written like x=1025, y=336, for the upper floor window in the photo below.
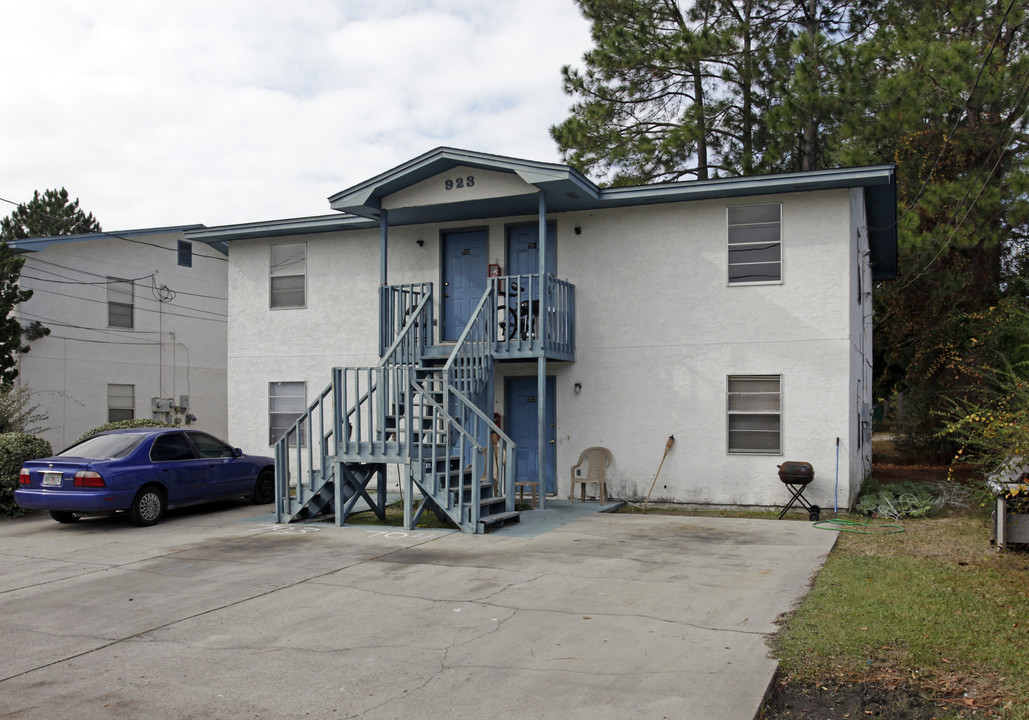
x=119, y=303
x=185, y=253
x=289, y=275
x=755, y=414
x=755, y=243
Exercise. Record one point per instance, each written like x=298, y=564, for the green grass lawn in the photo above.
x=935, y=607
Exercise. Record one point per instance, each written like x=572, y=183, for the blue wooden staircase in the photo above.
x=415, y=409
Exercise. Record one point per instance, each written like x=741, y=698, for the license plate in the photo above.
x=52, y=478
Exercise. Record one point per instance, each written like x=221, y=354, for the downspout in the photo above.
x=383, y=244
x=541, y=369
x=383, y=297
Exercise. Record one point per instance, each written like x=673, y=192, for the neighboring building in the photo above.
x=734, y=314
x=137, y=330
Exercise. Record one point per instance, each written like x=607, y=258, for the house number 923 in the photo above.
x=461, y=182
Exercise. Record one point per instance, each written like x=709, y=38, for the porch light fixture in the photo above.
x=578, y=387
x=578, y=230
x=420, y=242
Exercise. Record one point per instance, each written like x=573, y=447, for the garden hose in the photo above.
x=853, y=525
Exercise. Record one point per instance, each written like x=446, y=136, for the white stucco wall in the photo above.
x=659, y=330
x=176, y=347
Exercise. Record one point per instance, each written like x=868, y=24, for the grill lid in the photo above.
x=793, y=470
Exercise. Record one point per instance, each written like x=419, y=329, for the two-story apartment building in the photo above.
x=462, y=288
x=137, y=325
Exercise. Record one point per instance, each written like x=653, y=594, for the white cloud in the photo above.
x=157, y=113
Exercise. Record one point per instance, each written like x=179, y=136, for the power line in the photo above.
x=221, y=317
x=106, y=331
x=105, y=278
x=147, y=343
x=166, y=295
x=84, y=282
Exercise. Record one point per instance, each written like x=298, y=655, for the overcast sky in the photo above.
x=223, y=111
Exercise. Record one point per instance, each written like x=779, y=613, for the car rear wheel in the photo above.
x=264, y=488
x=148, y=506
x=62, y=516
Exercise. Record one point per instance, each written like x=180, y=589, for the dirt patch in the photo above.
x=885, y=699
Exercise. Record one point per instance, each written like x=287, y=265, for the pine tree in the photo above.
x=46, y=215
x=50, y=214
x=946, y=99
x=675, y=90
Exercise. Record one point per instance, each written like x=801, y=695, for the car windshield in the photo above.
x=104, y=446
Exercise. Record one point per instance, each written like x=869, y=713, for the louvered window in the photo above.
x=119, y=303
x=755, y=243
x=286, y=402
x=289, y=276
x=755, y=414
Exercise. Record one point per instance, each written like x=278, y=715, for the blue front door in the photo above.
x=465, y=260
x=521, y=425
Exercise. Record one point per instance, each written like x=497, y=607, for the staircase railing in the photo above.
x=366, y=394
x=465, y=453
x=378, y=397
x=397, y=305
x=470, y=365
x=318, y=449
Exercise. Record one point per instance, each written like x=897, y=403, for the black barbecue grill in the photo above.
x=796, y=476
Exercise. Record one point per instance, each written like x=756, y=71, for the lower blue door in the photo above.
x=521, y=425
x=465, y=261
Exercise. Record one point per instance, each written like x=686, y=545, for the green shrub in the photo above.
x=898, y=500
x=17, y=411
x=15, y=449
x=124, y=424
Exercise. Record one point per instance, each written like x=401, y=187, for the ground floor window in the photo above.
x=121, y=402
x=755, y=414
x=286, y=402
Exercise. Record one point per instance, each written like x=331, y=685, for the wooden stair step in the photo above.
x=500, y=518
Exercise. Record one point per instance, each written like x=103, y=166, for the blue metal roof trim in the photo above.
x=568, y=190
x=41, y=243
x=881, y=214
x=365, y=198
x=274, y=228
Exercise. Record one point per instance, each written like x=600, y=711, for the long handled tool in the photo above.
x=836, y=490
x=668, y=446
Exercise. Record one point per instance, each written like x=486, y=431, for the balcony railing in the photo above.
x=535, y=314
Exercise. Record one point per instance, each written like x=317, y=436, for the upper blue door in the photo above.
x=465, y=261
x=523, y=250
x=522, y=426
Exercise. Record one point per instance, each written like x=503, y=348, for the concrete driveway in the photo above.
x=216, y=613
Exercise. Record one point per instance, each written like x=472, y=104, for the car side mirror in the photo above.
x=237, y=452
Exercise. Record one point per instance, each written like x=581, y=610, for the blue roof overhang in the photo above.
x=556, y=181
x=281, y=228
x=36, y=244
x=567, y=190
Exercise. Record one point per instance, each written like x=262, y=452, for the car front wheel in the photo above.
x=264, y=488
x=148, y=506
x=64, y=517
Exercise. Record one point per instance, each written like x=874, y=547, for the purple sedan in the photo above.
x=144, y=472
